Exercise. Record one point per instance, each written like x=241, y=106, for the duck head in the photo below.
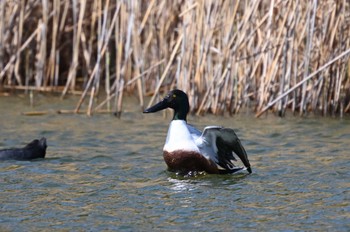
x=176, y=100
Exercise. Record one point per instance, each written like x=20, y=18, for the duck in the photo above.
x=188, y=150
x=33, y=150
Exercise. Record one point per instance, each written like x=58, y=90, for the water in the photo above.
x=101, y=173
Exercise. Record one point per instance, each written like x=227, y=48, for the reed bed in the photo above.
x=227, y=55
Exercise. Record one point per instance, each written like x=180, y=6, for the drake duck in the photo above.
x=33, y=150
x=187, y=149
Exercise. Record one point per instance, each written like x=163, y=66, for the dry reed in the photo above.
x=227, y=55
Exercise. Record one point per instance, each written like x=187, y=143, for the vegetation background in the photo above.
x=227, y=55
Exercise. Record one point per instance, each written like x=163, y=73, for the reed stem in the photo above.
x=227, y=55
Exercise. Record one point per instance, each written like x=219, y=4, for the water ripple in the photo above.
x=106, y=174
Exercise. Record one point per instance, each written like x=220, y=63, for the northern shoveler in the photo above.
x=33, y=150
x=187, y=149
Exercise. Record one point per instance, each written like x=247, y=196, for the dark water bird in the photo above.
x=189, y=150
x=33, y=150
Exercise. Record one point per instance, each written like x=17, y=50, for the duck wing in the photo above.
x=195, y=133
x=226, y=143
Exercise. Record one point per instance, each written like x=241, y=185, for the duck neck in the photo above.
x=180, y=115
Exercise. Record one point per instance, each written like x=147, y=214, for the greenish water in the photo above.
x=101, y=173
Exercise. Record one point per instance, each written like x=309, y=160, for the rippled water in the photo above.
x=101, y=173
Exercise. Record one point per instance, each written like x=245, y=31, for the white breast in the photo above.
x=179, y=137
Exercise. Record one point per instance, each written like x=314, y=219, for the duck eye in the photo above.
x=174, y=95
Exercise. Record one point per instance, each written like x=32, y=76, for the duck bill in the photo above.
x=157, y=107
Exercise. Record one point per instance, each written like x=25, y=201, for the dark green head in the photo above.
x=176, y=100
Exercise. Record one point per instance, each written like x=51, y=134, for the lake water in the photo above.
x=102, y=173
